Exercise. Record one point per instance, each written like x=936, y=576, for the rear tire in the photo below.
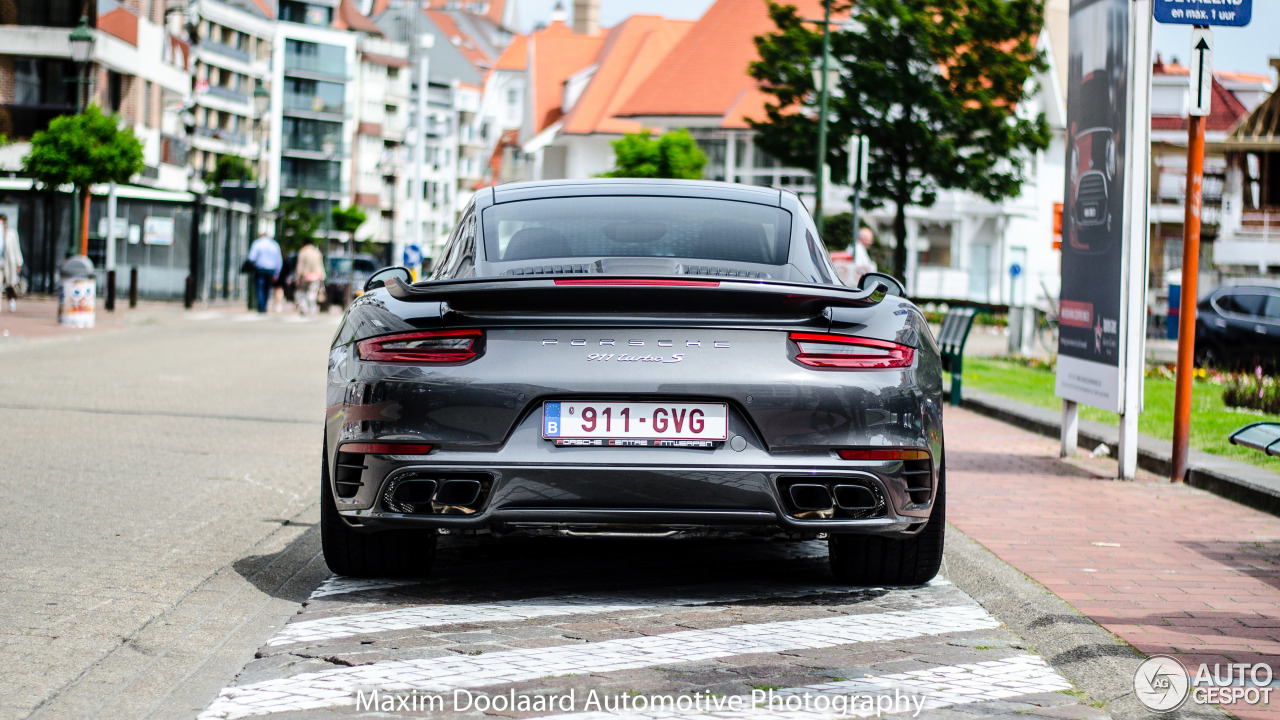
x=390, y=553
x=876, y=560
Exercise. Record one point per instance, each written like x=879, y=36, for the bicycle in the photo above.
x=1047, y=322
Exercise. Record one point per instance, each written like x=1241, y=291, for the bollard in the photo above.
x=133, y=287
x=189, y=297
x=110, y=304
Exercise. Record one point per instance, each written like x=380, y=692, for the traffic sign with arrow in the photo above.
x=1201, y=71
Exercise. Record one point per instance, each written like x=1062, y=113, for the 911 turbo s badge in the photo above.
x=624, y=357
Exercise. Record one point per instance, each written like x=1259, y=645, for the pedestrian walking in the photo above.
x=862, y=262
x=310, y=274
x=265, y=257
x=10, y=263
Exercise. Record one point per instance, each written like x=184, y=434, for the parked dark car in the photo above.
x=1238, y=327
x=345, y=276
x=631, y=358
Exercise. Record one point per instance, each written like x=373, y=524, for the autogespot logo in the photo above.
x=1162, y=683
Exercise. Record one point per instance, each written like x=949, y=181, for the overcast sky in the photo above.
x=1242, y=49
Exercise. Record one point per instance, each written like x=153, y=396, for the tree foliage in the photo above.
x=674, y=155
x=298, y=223
x=228, y=168
x=83, y=150
x=348, y=220
x=938, y=87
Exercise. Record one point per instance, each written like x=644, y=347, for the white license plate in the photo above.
x=634, y=421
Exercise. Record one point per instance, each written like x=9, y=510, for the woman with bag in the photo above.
x=10, y=263
x=310, y=275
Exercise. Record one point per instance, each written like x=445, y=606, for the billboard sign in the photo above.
x=1232, y=13
x=1093, y=228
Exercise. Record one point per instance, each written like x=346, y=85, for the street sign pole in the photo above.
x=1201, y=91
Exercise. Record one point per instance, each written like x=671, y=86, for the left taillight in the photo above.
x=423, y=346
x=843, y=352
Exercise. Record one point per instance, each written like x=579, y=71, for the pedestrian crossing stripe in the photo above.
x=335, y=687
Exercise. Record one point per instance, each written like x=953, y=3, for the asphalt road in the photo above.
x=162, y=486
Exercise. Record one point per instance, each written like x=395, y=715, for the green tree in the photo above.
x=298, y=223
x=938, y=86
x=228, y=168
x=674, y=155
x=349, y=220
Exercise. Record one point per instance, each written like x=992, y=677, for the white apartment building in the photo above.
x=383, y=108
x=313, y=118
x=232, y=54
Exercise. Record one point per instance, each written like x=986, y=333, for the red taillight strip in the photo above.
x=892, y=354
x=384, y=448
x=861, y=454
x=638, y=281
x=376, y=348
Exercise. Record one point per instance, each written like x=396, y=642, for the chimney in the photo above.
x=586, y=17
x=1275, y=64
x=558, y=14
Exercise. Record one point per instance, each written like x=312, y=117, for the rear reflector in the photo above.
x=423, y=346
x=852, y=454
x=850, y=353
x=639, y=281
x=383, y=448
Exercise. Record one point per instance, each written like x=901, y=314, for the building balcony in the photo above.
x=229, y=137
x=314, y=65
x=226, y=51
x=311, y=105
x=227, y=93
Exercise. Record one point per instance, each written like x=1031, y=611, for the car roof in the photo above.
x=512, y=192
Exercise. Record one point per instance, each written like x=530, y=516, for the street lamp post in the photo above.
x=819, y=179
x=81, y=41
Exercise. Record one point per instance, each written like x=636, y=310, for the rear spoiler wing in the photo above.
x=637, y=295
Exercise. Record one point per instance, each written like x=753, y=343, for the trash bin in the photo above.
x=76, y=289
x=1174, y=279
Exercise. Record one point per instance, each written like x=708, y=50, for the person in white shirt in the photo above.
x=10, y=263
x=862, y=262
x=267, y=261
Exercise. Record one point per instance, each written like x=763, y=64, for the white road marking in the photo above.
x=334, y=687
x=338, y=585
x=929, y=689
x=425, y=616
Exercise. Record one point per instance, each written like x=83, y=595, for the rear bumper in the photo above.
x=589, y=499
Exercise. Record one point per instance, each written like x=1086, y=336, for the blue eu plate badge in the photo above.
x=551, y=420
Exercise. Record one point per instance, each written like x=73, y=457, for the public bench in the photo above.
x=951, y=340
x=1264, y=436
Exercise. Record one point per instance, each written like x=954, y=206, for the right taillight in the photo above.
x=424, y=346
x=843, y=352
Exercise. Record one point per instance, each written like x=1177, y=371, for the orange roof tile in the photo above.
x=1243, y=77
x=706, y=73
x=516, y=56
x=1225, y=111
x=555, y=54
x=631, y=50
x=350, y=18
x=120, y=22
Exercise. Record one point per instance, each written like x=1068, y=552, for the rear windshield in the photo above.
x=624, y=226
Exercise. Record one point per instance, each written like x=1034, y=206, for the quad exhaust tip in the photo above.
x=808, y=497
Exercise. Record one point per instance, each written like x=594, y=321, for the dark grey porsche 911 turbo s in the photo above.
x=634, y=358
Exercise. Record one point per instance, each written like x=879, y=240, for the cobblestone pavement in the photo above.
x=1167, y=568
x=636, y=622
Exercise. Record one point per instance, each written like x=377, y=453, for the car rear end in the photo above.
x=667, y=405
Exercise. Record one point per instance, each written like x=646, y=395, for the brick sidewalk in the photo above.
x=1167, y=568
